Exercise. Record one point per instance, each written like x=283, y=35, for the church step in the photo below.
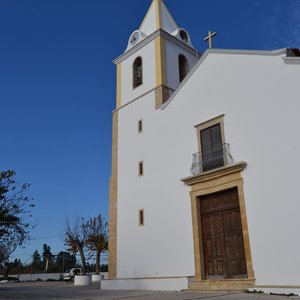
x=222, y=285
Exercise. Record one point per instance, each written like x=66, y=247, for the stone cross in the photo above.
x=209, y=38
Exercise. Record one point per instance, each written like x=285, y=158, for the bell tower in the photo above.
x=157, y=58
x=156, y=61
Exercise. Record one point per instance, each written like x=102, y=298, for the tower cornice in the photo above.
x=152, y=37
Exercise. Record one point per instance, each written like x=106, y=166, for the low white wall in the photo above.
x=160, y=284
x=35, y=277
x=45, y=277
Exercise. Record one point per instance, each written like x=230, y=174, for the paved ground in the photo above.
x=62, y=290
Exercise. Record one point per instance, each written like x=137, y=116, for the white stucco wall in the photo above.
x=150, y=250
x=259, y=96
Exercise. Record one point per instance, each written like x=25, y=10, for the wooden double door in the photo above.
x=222, y=236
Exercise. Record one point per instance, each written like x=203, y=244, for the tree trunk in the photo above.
x=98, y=262
x=6, y=269
x=80, y=249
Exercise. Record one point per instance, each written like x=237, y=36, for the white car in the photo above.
x=70, y=273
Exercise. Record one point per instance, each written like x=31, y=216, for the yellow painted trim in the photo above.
x=163, y=61
x=146, y=17
x=161, y=94
x=113, y=200
x=119, y=82
x=160, y=61
x=158, y=14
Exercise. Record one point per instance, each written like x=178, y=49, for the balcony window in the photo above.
x=218, y=157
x=213, y=151
x=211, y=147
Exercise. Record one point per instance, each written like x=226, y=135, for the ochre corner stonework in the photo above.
x=119, y=84
x=162, y=94
x=112, y=243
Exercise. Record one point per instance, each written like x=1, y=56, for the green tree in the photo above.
x=97, y=237
x=37, y=264
x=48, y=259
x=47, y=254
x=15, y=212
x=16, y=267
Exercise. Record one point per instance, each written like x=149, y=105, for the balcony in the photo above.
x=211, y=159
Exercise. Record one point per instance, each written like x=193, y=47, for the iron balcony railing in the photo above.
x=211, y=159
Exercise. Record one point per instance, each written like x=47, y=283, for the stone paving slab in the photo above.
x=66, y=291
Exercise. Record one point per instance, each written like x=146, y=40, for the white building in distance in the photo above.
x=205, y=165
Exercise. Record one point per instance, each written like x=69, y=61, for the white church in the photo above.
x=205, y=165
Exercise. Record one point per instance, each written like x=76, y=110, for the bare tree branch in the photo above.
x=76, y=239
x=97, y=237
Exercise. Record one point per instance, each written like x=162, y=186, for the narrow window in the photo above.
x=141, y=217
x=141, y=168
x=137, y=72
x=140, y=126
x=183, y=67
x=211, y=148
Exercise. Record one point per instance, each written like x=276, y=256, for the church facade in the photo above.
x=205, y=165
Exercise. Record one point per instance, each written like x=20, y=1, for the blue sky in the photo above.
x=57, y=89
